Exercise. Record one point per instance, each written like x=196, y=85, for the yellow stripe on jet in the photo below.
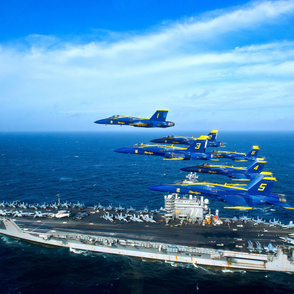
x=174, y=158
x=270, y=179
x=213, y=184
x=231, y=152
x=202, y=137
x=238, y=207
x=241, y=168
x=267, y=173
x=157, y=145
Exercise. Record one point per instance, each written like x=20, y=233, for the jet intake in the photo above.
x=282, y=199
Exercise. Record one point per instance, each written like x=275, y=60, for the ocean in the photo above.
x=37, y=167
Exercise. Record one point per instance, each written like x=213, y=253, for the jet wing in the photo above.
x=238, y=202
x=140, y=124
x=173, y=156
x=238, y=176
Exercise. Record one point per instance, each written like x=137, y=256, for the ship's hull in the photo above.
x=141, y=240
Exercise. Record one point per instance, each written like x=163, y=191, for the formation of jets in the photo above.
x=239, y=196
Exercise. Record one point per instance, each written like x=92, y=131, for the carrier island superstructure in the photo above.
x=185, y=232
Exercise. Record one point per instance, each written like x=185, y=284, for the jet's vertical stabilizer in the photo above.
x=212, y=135
x=257, y=166
x=253, y=151
x=159, y=115
x=262, y=184
x=199, y=145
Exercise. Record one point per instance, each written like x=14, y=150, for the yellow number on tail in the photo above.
x=256, y=168
x=262, y=187
x=253, y=152
x=198, y=145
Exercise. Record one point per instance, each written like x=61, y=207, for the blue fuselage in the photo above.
x=164, y=151
x=135, y=122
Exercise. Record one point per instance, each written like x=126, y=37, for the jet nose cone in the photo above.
x=161, y=188
x=171, y=124
x=101, y=121
x=120, y=150
x=187, y=169
x=156, y=141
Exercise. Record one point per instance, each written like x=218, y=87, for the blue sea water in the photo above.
x=36, y=167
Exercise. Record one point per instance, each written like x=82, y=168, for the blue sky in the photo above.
x=226, y=65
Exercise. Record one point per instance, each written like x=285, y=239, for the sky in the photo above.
x=226, y=65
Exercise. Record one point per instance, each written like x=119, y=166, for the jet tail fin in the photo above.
x=199, y=145
x=159, y=115
x=212, y=135
x=257, y=166
x=262, y=184
x=253, y=151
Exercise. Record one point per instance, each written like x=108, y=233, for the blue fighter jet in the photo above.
x=257, y=192
x=240, y=173
x=157, y=120
x=195, y=151
x=237, y=156
x=211, y=142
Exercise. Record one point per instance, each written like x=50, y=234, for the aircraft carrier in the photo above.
x=185, y=231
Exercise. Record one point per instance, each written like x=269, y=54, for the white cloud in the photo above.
x=173, y=66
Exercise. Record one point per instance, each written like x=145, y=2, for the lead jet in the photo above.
x=211, y=141
x=257, y=192
x=195, y=151
x=157, y=120
x=240, y=173
x=237, y=156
